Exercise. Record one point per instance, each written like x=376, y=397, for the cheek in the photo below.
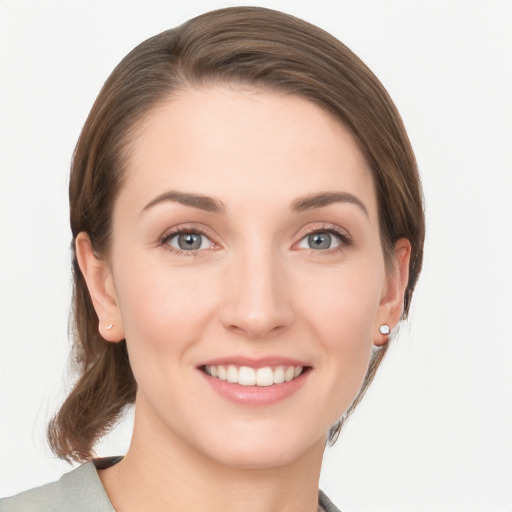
x=162, y=309
x=343, y=304
x=341, y=315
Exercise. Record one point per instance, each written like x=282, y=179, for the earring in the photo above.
x=384, y=329
x=109, y=326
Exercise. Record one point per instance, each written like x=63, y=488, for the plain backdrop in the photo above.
x=435, y=431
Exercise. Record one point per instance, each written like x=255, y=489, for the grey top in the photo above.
x=81, y=490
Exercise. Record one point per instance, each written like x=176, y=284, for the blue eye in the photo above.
x=191, y=241
x=321, y=240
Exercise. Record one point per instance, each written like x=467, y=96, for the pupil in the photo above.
x=189, y=241
x=319, y=241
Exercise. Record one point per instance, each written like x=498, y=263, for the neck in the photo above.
x=162, y=473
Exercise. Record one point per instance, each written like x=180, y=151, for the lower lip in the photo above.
x=256, y=395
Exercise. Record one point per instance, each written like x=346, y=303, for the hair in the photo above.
x=246, y=46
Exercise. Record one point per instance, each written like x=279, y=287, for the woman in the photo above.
x=247, y=231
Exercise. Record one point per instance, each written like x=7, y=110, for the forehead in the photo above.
x=243, y=145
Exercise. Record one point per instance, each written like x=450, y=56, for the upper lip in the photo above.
x=253, y=362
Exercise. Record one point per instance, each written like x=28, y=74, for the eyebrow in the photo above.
x=321, y=199
x=210, y=204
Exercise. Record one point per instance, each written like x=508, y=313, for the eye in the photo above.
x=189, y=241
x=322, y=240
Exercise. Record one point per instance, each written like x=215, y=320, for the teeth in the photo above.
x=232, y=374
x=221, y=372
x=288, y=374
x=264, y=376
x=279, y=375
x=246, y=376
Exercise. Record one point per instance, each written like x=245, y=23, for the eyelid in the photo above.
x=323, y=226
x=316, y=227
x=183, y=229
x=326, y=227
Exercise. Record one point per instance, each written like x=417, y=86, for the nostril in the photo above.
x=256, y=330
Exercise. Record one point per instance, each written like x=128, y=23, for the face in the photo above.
x=246, y=274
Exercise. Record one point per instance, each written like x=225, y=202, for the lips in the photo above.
x=255, y=382
x=249, y=376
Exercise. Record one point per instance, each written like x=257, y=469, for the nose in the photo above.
x=257, y=300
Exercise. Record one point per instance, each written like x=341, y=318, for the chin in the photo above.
x=249, y=458
x=264, y=450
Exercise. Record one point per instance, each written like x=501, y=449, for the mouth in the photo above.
x=253, y=382
x=260, y=377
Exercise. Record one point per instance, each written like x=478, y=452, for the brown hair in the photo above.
x=240, y=45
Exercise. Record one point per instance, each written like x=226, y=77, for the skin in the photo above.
x=255, y=289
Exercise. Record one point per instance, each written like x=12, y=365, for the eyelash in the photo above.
x=345, y=239
x=331, y=229
x=164, y=240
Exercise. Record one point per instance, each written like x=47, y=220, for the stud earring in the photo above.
x=384, y=329
x=109, y=326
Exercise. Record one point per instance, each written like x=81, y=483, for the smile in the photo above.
x=247, y=376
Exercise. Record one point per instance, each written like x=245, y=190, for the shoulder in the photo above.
x=326, y=504
x=79, y=490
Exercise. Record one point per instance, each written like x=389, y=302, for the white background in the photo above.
x=435, y=431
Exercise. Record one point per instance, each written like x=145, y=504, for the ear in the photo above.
x=98, y=276
x=392, y=300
